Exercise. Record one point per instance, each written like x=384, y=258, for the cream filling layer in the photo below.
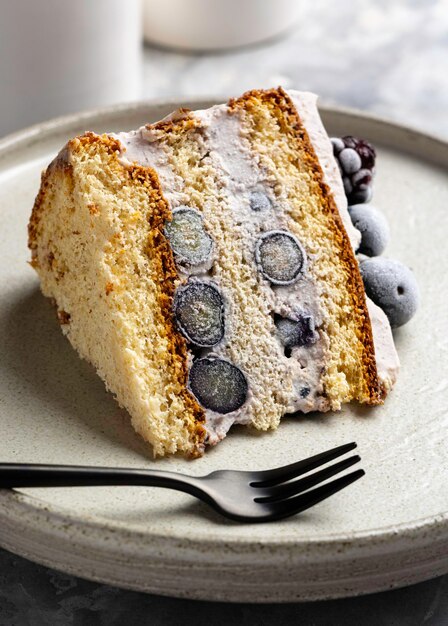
x=240, y=175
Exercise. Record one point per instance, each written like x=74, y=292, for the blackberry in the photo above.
x=298, y=332
x=356, y=159
x=259, y=201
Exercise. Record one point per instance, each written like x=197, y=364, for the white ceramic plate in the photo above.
x=386, y=530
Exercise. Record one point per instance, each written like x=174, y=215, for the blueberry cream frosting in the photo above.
x=225, y=267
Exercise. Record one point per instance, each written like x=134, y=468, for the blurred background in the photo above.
x=389, y=58
x=59, y=56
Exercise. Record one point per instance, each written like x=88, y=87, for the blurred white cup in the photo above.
x=62, y=56
x=216, y=24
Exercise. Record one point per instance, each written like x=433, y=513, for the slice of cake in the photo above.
x=205, y=265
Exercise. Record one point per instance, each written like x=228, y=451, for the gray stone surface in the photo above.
x=32, y=595
x=389, y=58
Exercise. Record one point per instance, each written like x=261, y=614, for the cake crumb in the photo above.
x=63, y=317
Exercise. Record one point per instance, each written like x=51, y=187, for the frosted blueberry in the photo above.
x=218, y=385
x=199, y=312
x=392, y=286
x=348, y=187
x=373, y=227
x=191, y=244
x=299, y=332
x=259, y=201
x=349, y=160
x=280, y=257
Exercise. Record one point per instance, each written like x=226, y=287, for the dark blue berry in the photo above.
x=297, y=332
x=392, y=286
x=259, y=201
x=218, y=385
x=338, y=144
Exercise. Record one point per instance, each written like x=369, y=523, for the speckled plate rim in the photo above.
x=417, y=528
x=424, y=542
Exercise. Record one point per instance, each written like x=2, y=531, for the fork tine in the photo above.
x=292, y=506
x=286, y=490
x=287, y=472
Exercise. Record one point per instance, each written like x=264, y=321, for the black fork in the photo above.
x=260, y=496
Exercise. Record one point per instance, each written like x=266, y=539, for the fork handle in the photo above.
x=37, y=475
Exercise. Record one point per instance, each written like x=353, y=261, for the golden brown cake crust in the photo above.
x=289, y=121
x=168, y=276
x=161, y=254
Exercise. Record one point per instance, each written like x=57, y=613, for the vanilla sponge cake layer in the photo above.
x=118, y=279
